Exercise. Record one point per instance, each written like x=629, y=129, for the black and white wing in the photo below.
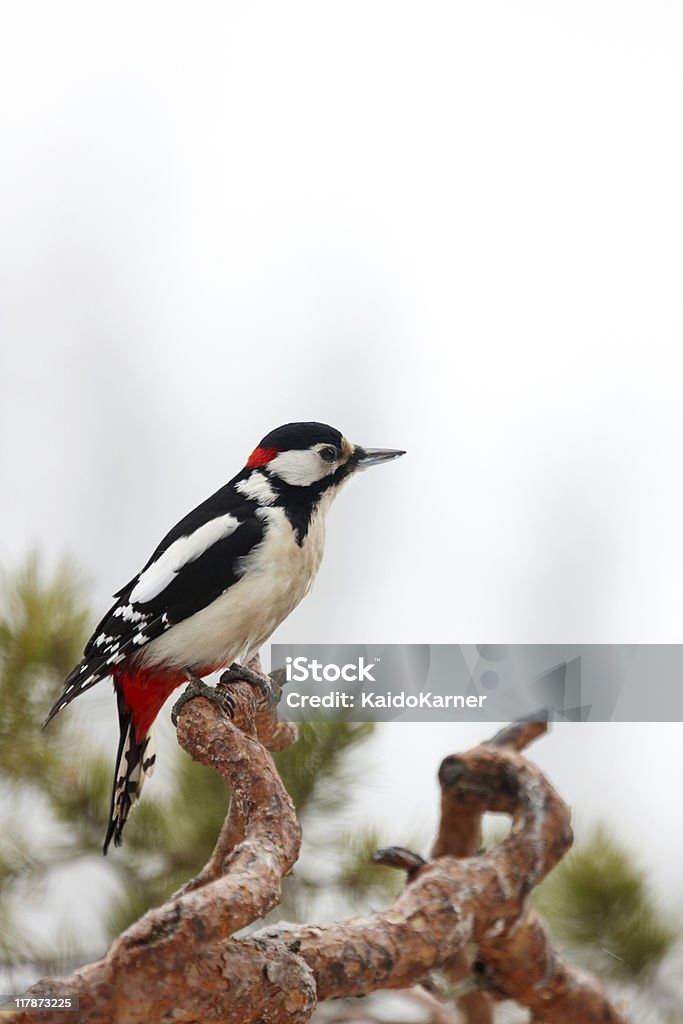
x=197, y=561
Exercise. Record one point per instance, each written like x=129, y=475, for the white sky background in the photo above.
x=452, y=228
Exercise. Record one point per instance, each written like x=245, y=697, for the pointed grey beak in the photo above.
x=366, y=457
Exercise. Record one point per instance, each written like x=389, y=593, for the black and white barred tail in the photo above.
x=134, y=761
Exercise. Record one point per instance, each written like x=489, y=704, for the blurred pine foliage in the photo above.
x=599, y=905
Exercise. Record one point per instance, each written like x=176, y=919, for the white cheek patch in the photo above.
x=257, y=487
x=182, y=551
x=300, y=468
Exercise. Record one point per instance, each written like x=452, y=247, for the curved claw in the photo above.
x=197, y=688
x=270, y=692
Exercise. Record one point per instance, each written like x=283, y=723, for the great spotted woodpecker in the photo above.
x=216, y=587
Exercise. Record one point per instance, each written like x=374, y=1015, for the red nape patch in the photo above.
x=145, y=692
x=261, y=457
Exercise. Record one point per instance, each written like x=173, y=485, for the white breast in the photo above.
x=276, y=575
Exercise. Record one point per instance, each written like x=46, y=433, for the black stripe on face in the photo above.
x=299, y=503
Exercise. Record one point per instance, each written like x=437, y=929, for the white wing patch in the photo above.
x=273, y=578
x=164, y=570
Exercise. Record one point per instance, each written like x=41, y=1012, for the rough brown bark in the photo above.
x=460, y=835
x=182, y=963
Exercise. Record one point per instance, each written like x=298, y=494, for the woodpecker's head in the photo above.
x=304, y=460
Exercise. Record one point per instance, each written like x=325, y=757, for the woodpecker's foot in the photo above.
x=270, y=692
x=197, y=688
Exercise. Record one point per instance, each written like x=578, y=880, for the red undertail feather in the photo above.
x=140, y=695
x=145, y=691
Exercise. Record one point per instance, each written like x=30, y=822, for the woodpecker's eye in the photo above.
x=328, y=453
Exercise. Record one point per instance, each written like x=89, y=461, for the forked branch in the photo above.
x=181, y=962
